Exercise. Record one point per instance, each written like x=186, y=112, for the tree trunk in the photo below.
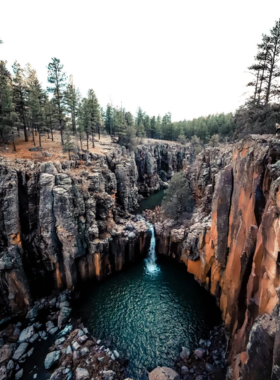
x=87, y=141
x=61, y=135
x=52, y=134
x=25, y=133
x=40, y=142
x=24, y=121
x=73, y=123
x=14, y=145
x=33, y=136
x=81, y=142
x=92, y=139
x=98, y=132
x=256, y=87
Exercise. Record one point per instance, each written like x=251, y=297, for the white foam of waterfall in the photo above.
x=150, y=261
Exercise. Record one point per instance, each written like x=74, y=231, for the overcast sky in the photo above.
x=188, y=57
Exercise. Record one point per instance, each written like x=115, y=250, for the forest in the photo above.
x=26, y=106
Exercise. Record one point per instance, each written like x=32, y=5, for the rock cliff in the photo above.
x=231, y=245
x=64, y=222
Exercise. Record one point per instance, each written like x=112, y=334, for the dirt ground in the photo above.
x=52, y=147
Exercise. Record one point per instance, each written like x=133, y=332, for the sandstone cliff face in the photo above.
x=61, y=222
x=231, y=245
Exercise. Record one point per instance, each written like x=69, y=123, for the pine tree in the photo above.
x=166, y=127
x=158, y=133
x=36, y=101
x=84, y=119
x=93, y=112
x=81, y=134
x=273, y=71
x=57, y=78
x=139, y=123
x=120, y=125
x=147, y=125
x=265, y=69
x=68, y=144
x=178, y=197
x=109, y=119
x=153, y=127
x=20, y=96
x=6, y=105
x=49, y=115
x=72, y=99
x=129, y=119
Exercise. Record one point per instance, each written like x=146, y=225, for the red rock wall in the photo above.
x=237, y=249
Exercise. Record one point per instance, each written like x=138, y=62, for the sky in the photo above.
x=187, y=57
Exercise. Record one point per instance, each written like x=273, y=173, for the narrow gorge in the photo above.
x=65, y=223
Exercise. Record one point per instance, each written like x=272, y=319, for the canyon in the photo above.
x=64, y=222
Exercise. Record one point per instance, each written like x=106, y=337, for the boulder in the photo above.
x=62, y=373
x=59, y=341
x=43, y=334
x=33, y=312
x=108, y=375
x=3, y=375
x=26, y=334
x=10, y=365
x=199, y=353
x=82, y=339
x=75, y=346
x=51, y=359
x=19, y=374
x=20, y=351
x=67, y=329
x=63, y=315
x=185, y=353
x=163, y=373
x=81, y=374
x=117, y=355
x=34, y=338
x=84, y=351
x=5, y=353
x=49, y=325
x=53, y=330
x=209, y=368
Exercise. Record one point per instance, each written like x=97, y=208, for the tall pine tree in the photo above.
x=20, y=97
x=57, y=79
x=72, y=98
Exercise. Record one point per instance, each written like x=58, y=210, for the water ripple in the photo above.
x=148, y=318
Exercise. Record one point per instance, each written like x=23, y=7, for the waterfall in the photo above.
x=151, y=266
